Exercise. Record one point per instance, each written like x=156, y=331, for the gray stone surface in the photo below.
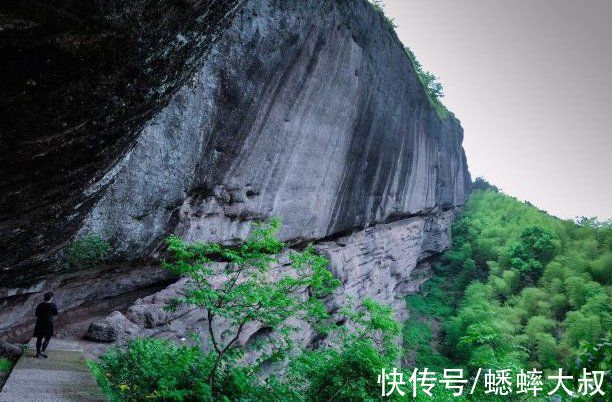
x=9, y=350
x=96, y=74
x=73, y=290
x=63, y=377
x=385, y=262
x=110, y=328
x=306, y=110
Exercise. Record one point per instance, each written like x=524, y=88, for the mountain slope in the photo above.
x=519, y=289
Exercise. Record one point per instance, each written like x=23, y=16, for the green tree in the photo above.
x=348, y=371
x=595, y=356
x=541, y=243
x=535, y=249
x=249, y=292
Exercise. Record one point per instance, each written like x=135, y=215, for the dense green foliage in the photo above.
x=5, y=364
x=249, y=292
x=348, y=372
x=519, y=289
x=154, y=369
x=87, y=252
x=160, y=370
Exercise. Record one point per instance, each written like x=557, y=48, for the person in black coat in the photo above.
x=43, y=331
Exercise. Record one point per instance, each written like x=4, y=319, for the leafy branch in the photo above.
x=249, y=291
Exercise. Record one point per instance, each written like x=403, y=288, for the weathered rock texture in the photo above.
x=78, y=80
x=307, y=110
x=10, y=351
x=303, y=111
x=17, y=304
x=384, y=262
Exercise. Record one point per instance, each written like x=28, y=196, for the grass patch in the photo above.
x=6, y=364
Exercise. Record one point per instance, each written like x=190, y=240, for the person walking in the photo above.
x=43, y=331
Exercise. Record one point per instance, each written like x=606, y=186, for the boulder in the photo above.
x=111, y=328
x=9, y=350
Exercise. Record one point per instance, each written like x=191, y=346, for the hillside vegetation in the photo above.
x=520, y=289
x=149, y=369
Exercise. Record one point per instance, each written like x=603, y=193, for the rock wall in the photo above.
x=78, y=80
x=306, y=110
x=384, y=262
x=303, y=110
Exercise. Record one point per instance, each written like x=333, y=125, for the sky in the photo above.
x=531, y=82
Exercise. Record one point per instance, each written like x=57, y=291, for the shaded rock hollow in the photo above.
x=310, y=111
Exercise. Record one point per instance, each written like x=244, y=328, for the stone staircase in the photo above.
x=63, y=377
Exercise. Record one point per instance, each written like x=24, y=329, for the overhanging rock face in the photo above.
x=306, y=110
x=78, y=80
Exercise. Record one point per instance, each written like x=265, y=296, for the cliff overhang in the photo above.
x=239, y=111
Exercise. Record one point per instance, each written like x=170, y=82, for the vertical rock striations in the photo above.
x=307, y=110
x=78, y=80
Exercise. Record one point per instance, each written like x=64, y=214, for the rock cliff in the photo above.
x=78, y=81
x=306, y=110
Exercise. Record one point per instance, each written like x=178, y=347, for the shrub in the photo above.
x=432, y=87
x=348, y=372
x=480, y=183
x=160, y=370
x=5, y=364
x=379, y=6
x=154, y=369
x=250, y=294
x=87, y=252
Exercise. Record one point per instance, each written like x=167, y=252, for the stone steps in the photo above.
x=63, y=377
